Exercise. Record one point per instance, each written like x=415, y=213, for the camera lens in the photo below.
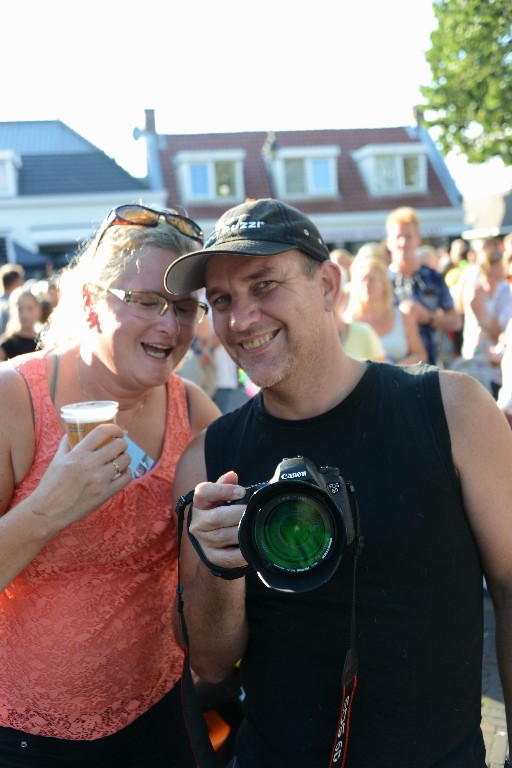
x=294, y=532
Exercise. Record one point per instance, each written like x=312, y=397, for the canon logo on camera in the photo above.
x=291, y=475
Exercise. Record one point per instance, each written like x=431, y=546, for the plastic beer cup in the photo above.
x=80, y=418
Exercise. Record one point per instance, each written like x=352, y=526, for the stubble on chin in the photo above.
x=267, y=376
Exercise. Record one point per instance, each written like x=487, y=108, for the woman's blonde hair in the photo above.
x=487, y=257
x=361, y=265
x=98, y=268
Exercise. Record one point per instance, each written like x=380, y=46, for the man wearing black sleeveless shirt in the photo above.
x=429, y=456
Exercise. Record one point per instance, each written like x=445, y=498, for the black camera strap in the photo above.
x=217, y=570
x=195, y=724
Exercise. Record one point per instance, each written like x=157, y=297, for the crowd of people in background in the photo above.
x=404, y=302
x=447, y=306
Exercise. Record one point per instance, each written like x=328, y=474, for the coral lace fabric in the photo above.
x=86, y=643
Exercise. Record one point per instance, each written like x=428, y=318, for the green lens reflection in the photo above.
x=295, y=535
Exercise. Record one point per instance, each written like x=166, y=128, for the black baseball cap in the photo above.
x=254, y=228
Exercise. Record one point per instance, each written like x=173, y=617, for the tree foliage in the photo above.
x=469, y=101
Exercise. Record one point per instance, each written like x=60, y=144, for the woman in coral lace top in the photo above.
x=88, y=664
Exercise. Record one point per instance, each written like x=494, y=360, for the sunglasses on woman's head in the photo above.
x=141, y=216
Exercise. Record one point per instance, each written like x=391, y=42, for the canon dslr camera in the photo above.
x=297, y=526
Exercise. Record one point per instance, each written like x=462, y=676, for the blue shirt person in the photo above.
x=420, y=290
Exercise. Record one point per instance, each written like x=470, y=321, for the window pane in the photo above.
x=321, y=178
x=411, y=172
x=385, y=174
x=199, y=179
x=4, y=178
x=294, y=177
x=225, y=182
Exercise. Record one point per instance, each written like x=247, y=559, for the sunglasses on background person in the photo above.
x=141, y=216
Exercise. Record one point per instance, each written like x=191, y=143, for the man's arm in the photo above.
x=482, y=451
x=446, y=320
x=214, y=608
x=487, y=322
x=441, y=319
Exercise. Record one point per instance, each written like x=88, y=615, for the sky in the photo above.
x=219, y=67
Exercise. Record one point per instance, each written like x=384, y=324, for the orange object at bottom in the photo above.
x=218, y=729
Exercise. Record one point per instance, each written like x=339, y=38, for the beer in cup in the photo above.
x=80, y=418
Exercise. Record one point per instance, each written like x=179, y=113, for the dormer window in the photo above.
x=10, y=164
x=305, y=172
x=393, y=169
x=210, y=177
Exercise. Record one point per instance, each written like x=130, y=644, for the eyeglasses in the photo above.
x=141, y=216
x=148, y=305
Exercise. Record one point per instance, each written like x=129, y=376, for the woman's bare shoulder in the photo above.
x=14, y=394
x=17, y=439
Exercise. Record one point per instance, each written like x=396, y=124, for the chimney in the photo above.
x=150, y=126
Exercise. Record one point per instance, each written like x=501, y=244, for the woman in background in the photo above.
x=23, y=324
x=358, y=338
x=487, y=305
x=371, y=301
